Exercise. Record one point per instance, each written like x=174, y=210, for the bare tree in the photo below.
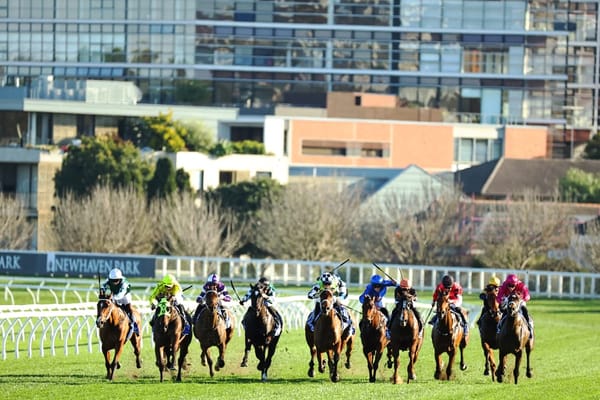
x=16, y=231
x=585, y=247
x=309, y=221
x=513, y=233
x=109, y=220
x=190, y=227
x=423, y=228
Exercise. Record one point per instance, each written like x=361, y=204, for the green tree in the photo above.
x=182, y=180
x=165, y=133
x=101, y=162
x=592, y=148
x=199, y=137
x=580, y=187
x=163, y=183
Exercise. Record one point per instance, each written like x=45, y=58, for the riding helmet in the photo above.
x=447, y=281
x=405, y=283
x=264, y=281
x=512, y=279
x=213, y=278
x=168, y=280
x=494, y=281
x=327, y=278
x=115, y=274
x=376, y=280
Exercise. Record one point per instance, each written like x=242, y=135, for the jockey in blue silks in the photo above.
x=377, y=289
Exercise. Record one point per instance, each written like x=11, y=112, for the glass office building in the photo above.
x=522, y=62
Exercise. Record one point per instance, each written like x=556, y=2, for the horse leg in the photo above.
x=349, y=347
x=438, y=365
x=136, y=342
x=378, y=355
x=247, y=347
x=221, y=360
x=518, y=356
x=115, y=362
x=396, y=378
x=107, y=364
x=369, y=356
x=501, y=366
x=320, y=362
x=311, y=363
x=158, y=352
x=333, y=358
x=209, y=361
x=412, y=359
x=463, y=365
x=529, y=374
x=183, y=350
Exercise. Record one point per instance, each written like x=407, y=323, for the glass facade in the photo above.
x=480, y=61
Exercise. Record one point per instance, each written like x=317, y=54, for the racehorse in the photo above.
x=329, y=337
x=447, y=336
x=514, y=336
x=210, y=330
x=404, y=335
x=488, y=325
x=259, y=324
x=114, y=330
x=372, y=334
x=168, y=339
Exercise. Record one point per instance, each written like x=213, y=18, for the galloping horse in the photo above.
x=447, y=336
x=404, y=334
x=168, y=340
x=329, y=337
x=372, y=334
x=488, y=325
x=258, y=325
x=210, y=330
x=514, y=336
x=114, y=329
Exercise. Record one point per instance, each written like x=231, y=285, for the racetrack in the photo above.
x=563, y=365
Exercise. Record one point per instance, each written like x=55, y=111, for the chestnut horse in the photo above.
x=168, y=339
x=488, y=325
x=405, y=335
x=447, y=336
x=258, y=325
x=329, y=337
x=513, y=338
x=210, y=330
x=114, y=330
x=372, y=334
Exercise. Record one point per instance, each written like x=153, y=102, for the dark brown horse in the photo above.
x=372, y=335
x=169, y=343
x=259, y=324
x=513, y=338
x=114, y=330
x=404, y=335
x=488, y=325
x=210, y=330
x=329, y=337
x=447, y=336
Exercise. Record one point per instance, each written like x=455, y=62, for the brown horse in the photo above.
x=259, y=324
x=168, y=339
x=447, y=336
x=405, y=335
x=329, y=337
x=114, y=330
x=513, y=338
x=372, y=334
x=488, y=325
x=210, y=330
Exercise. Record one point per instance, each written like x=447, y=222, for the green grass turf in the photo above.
x=564, y=366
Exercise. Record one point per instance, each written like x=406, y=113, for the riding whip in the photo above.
x=340, y=266
x=385, y=273
x=235, y=290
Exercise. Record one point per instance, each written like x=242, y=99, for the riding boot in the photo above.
x=529, y=321
x=132, y=322
x=278, y=321
x=186, y=326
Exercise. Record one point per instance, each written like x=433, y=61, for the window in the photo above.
x=324, y=148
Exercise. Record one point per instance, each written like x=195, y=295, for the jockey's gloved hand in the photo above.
x=241, y=302
x=153, y=306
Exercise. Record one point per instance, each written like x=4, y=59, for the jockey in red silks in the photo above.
x=454, y=297
x=513, y=285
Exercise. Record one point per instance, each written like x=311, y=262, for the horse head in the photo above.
x=164, y=311
x=104, y=310
x=513, y=305
x=326, y=300
x=491, y=302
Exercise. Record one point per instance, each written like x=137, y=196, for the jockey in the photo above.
x=492, y=286
x=331, y=281
x=169, y=286
x=455, y=299
x=120, y=289
x=269, y=290
x=512, y=285
x=377, y=288
x=410, y=293
x=214, y=283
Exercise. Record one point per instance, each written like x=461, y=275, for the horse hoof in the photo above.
x=389, y=364
x=463, y=367
x=221, y=363
x=412, y=377
x=372, y=379
x=348, y=365
x=335, y=378
x=311, y=373
x=244, y=364
x=529, y=374
x=486, y=373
